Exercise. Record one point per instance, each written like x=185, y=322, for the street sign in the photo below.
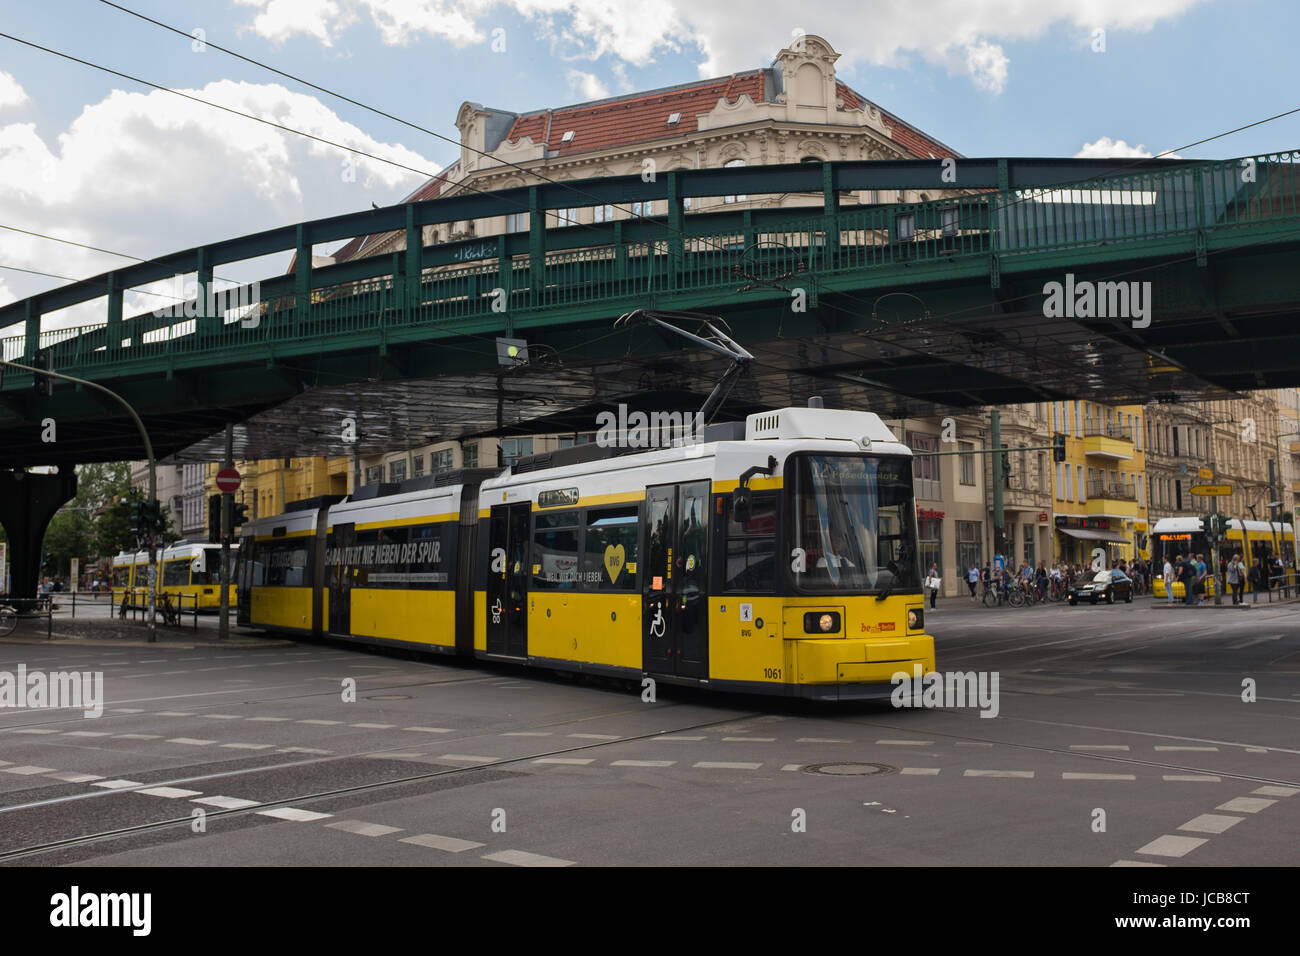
x=1206, y=474
x=228, y=480
x=1220, y=491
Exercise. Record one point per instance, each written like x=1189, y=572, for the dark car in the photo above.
x=1107, y=586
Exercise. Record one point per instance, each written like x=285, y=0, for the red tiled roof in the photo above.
x=904, y=134
x=430, y=190
x=634, y=119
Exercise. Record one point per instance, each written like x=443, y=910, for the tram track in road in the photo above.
x=8, y=856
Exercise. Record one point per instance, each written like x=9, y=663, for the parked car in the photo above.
x=1107, y=586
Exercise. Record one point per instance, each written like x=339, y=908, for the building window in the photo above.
x=1028, y=531
x=930, y=533
x=471, y=454
x=950, y=222
x=904, y=228
x=966, y=463
x=970, y=548
x=1079, y=485
x=582, y=438
x=925, y=470
x=1178, y=495
x=374, y=474
x=647, y=208
x=417, y=466
x=729, y=164
x=604, y=213
x=517, y=222
x=1042, y=471
x=1078, y=419
x=566, y=217
x=512, y=449
x=440, y=461
x=397, y=470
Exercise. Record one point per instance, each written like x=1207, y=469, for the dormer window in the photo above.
x=674, y=119
x=567, y=137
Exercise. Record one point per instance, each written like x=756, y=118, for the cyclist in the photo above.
x=1040, y=580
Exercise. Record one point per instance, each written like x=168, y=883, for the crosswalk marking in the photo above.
x=520, y=858
x=1098, y=776
x=920, y=771
x=575, y=761
x=117, y=784
x=226, y=803
x=293, y=813
x=1246, y=804
x=69, y=777
x=1027, y=774
x=1174, y=846
x=726, y=765
x=1210, y=823
x=27, y=771
x=361, y=828
x=435, y=842
x=171, y=793
x=643, y=763
x=191, y=741
x=1193, y=777
x=238, y=746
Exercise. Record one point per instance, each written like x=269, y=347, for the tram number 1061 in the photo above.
x=772, y=673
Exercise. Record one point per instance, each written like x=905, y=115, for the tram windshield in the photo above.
x=855, y=524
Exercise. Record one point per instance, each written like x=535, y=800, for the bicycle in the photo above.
x=990, y=596
x=1056, y=590
x=171, y=614
x=8, y=619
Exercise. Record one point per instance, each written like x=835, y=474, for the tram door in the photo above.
x=675, y=607
x=507, y=587
x=339, y=575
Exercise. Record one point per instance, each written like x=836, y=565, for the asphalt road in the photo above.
x=1121, y=737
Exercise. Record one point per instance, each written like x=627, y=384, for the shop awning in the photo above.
x=1089, y=535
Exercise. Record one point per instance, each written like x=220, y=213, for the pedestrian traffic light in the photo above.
x=1058, y=448
x=239, y=515
x=43, y=384
x=214, y=519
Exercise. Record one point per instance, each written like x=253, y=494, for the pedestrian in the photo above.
x=1201, y=571
x=932, y=583
x=1187, y=574
x=1235, y=578
x=1168, y=575
x=1256, y=580
x=972, y=579
x=1279, y=575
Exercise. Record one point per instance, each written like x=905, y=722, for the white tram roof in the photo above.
x=1174, y=525
x=180, y=549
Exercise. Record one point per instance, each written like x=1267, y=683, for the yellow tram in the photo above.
x=773, y=556
x=185, y=568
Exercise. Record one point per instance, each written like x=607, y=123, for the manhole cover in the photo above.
x=850, y=769
x=389, y=697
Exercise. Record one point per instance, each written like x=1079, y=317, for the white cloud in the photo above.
x=11, y=92
x=150, y=173
x=587, y=85
x=1107, y=148
x=967, y=37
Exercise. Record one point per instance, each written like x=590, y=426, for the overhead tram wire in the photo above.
x=51, y=275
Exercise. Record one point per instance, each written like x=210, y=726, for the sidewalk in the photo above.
x=106, y=632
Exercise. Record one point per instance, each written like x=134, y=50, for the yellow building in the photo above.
x=268, y=485
x=1099, y=491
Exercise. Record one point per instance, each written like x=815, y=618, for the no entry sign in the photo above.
x=228, y=480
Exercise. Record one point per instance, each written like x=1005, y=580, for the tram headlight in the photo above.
x=821, y=622
x=915, y=619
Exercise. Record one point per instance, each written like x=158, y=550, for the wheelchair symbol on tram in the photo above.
x=657, y=623
x=496, y=611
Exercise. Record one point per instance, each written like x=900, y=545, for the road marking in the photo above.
x=904, y=743
x=1026, y=774
x=576, y=761
x=1272, y=791
x=35, y=730
x=270, y=720
x=528, y=733
x=154, y=660
x=1098, y=776
x=1202, y=749
x=1210, y=823
x=249, y=746
x=726, y=765
x=467, y=758
x=323, y=723
x=1254, y=640
x=191, y=741
x=520, y=858
x=302, y=750
x=373, y=727
x=595, y=736
x=969, y=743
x=1134, y=863
x=1246, y=804
x=1099, y=746
x=293, y=813
x=1193, y=777
x=1172, y=845
x=676, y=737
x=174, y=713
x=128, y=710
x=171, y=793
x=429, y=730
x=70, y=777
x=25, y=771
x=822, y=740
x=360, y=828
x=799, y=766
x=643, y=763
x=226, y=803
x=117, y=784
x=222, y=716
x=138, y=736
x=435, y=842
x=750, y=740
x=1256, y=750
x=920, y=771
x=87, y=733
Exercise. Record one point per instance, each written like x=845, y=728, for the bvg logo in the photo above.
x=877, y=628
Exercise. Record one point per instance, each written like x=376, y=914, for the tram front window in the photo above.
x=855, y=524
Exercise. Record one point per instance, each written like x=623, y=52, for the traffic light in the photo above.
x=214, y=519
x=43, y=384
x=239, y=515
x=138, y=517
x=1058, y=448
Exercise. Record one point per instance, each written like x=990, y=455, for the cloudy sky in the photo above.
x=104, y=161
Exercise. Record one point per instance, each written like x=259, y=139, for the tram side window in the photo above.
x=751, y=547
x=176, y=573
x=555, y=550
x=121, y=575
x=609, y=555
x=285, y=563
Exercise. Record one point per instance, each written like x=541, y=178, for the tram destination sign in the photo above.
x=1218, y=491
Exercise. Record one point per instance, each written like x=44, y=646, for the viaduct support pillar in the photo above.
x=27, y=503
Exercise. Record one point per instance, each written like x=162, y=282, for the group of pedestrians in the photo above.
x=1262, y=574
